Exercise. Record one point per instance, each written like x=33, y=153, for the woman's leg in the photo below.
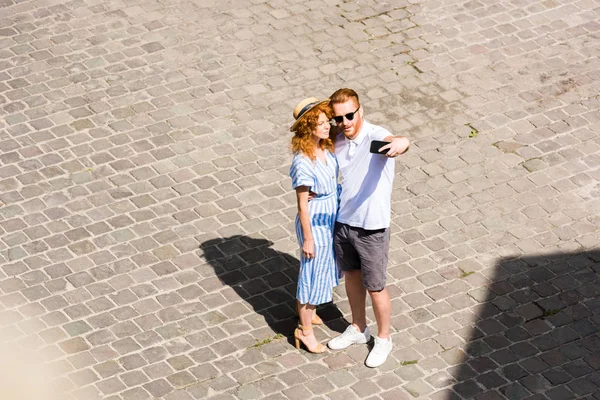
x=316, y=320
x=306, y=313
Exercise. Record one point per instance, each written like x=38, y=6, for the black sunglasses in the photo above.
x=350, y=116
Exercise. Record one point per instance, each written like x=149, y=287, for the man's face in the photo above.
x=342, y=111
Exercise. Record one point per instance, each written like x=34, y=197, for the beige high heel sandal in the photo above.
x=299, y=333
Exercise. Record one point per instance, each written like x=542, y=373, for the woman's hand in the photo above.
x=308, y=248
x=308, y=245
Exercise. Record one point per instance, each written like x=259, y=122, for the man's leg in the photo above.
x=383, y=342
x=357, y=295
x=382, y=308
x=373, y=251
x=348, y=260
x=357, y=331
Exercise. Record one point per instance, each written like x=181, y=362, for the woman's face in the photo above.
x=322, y=129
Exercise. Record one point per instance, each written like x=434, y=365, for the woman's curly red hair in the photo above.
x=302, y=142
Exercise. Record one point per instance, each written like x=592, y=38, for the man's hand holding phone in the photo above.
x=397, y=146
x=379, y=145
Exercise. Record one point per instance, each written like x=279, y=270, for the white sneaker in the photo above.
x=381, y=351
x=350, y=336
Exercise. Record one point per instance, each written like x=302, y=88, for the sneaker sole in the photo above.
x=378, y=365
x=374, y=366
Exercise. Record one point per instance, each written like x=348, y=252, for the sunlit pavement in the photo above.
x=147, y=245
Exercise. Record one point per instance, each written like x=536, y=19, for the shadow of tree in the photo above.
x=265, y=279
x=537, y=334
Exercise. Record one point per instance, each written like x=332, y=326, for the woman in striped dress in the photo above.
x=314, y=171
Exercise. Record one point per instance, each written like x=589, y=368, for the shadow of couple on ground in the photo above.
x=265, y=279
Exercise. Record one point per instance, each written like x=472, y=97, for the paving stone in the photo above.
x=533, y=365
x=74, y=345
x=559, y=393
x=577, y=368
x=363, y=388
x=342, y=394
x=583, y=386
x=536, y=383
x=467, y=388
x=158, y=388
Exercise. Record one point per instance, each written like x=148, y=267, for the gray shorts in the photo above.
x=364, y=250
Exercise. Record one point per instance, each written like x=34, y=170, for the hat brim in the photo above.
x=300, y=118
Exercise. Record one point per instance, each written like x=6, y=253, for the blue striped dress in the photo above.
x=318, y=276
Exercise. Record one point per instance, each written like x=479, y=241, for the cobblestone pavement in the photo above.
x=147, y=246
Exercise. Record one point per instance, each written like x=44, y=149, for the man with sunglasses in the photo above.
x=362, y=234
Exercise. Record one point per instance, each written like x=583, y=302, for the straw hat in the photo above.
x=303, y=107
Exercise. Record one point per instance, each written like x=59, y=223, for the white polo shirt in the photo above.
x=367, y=180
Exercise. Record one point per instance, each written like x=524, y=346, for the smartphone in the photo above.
x=376, y=145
